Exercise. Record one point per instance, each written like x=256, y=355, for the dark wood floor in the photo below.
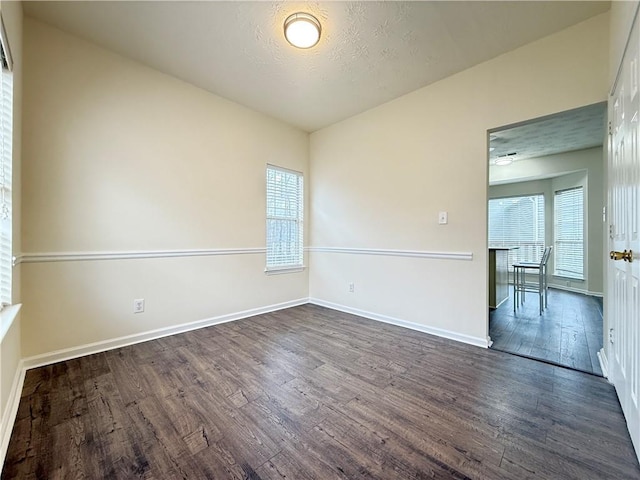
x=309, y=393
x=568, y=333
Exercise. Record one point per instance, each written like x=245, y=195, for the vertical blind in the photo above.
x=285, y=207
x=518, y=222
x=569, y=233
x=6, y=129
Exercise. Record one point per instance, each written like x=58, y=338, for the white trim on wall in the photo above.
x=7, y=315
x=477, y=341
x=396, y=253
x=11, y=410
x=90, y=256
x=575, y=290
x=45, y=257
x=604, y=362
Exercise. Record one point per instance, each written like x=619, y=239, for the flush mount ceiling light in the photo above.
x=302, y=30
x=506, y=159
x=503, y=161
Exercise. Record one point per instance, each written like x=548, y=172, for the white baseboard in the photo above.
x=103, y=346
x=10, y=411
x=576, y=290
x=477, y=341
x=604, y=362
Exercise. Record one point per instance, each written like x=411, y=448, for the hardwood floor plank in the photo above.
x=386, y=457
x=298, y=402
x=163, y=446
x=111, y=449
x=439, y=458
x=574, y=349
x=218, y=462
x=191, y=419
x=594, y=343
x=484, y=421
x=94, y=365
x=615, y=463
x=206, y=374
x=284, y=466
x=70, y=436
x=534, y=460
x=132, y=385
x=311, y=393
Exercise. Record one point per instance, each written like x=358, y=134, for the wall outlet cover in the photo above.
x=138, y=305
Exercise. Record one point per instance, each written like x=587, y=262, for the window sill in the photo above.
x=7, y=316
x=278, y=271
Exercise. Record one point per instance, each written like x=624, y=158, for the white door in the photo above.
x=623, y=305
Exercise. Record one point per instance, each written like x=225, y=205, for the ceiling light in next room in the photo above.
x=302, y=30
x=505, y=159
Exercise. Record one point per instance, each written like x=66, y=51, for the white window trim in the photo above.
x=281, y=270
x=8, y=314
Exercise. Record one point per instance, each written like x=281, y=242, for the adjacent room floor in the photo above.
x=310, y=393
x=568, y=333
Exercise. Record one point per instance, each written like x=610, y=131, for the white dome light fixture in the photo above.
x=502, y=161
x=302, y=30
x=506, y=159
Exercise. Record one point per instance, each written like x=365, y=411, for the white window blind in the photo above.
x=518, y=222
x=6, y=134
x=285, y=208
x=569, y=233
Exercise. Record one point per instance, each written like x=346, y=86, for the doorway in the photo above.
x=547, y=188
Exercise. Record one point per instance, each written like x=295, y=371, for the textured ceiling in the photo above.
x=369, y=52
x=564, y=132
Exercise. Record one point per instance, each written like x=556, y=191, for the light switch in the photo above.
x=443, y=218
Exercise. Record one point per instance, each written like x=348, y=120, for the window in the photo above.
x=518, y=222
x=6, y=134
x=568, y=233
x=285, y=207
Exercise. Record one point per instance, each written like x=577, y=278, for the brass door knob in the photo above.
x=626, y=256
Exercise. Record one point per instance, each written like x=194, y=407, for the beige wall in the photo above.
x=123, y=158
x=10, y=352
x=379, y=179
x=589, y=165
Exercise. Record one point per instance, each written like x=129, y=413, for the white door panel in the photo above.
x=623, y=308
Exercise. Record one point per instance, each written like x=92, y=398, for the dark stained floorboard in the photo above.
x=568, y=333
x=310, y=393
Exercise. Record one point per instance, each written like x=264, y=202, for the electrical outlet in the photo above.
x=138, y=305
x=352, y=287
